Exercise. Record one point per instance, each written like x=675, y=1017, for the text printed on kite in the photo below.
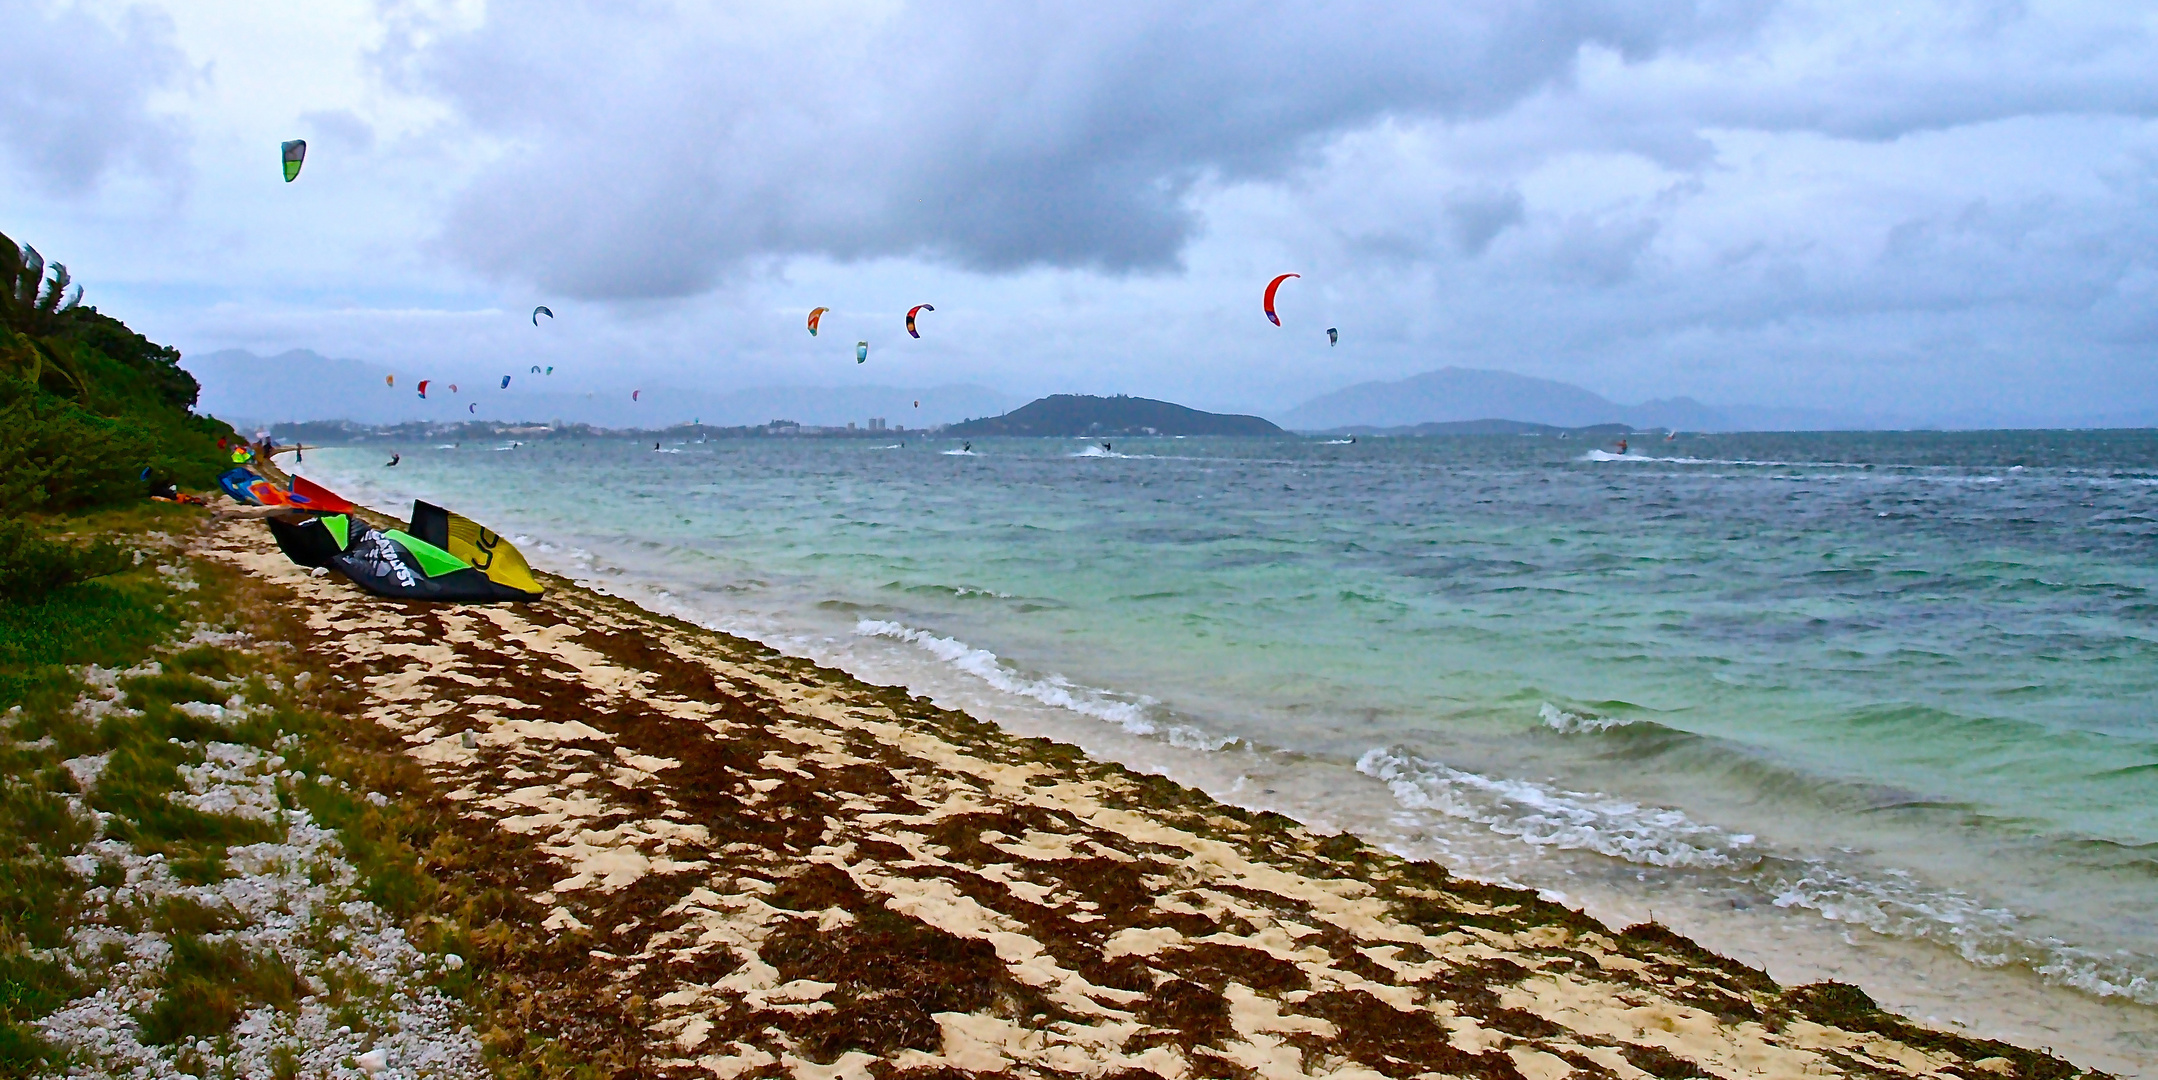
x=1271, y=288
x=295, y=153
x=911, y=331
x=539, y=311
x=816, y=315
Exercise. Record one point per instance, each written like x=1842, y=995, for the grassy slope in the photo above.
x=129, y=622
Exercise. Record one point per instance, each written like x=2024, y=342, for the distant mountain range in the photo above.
x=301, y=386
x=1454, y=396
x=1071, y=415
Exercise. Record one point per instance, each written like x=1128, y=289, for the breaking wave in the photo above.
x=1137, y=714
x=1886, y=901
x=1550, y=817
x=1566, y=722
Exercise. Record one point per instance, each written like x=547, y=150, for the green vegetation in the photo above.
x=86, y=404
x=32, y=567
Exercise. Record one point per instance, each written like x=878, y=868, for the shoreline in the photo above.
x=746, y=861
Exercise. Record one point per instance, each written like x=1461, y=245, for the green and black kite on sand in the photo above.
x=445, y=557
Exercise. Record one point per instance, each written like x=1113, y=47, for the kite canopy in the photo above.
x=249, y=488
x=861, y=351
x=313, y=496
x=1271, y=288
x=815, y=316
x=389, y=380
x=539, y=311
x=294, y=152
x=634, y=394
x=473, y=408
x=423, y=386
x=910, y=318
x=1333, y=336
x=505, y=382
x=311, y=540
x=445, y=557
x=535, y=371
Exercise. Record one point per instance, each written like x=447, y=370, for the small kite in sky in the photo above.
x=910, y=318
x=816, y=315
x=539, y=311
x=295, y=152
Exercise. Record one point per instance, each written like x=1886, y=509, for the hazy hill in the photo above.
x=1083, y=414
x=1460, y=395
x=304, y=386
x=1483, y=427
x=1454, y=394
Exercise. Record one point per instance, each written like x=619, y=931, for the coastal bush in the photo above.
x=32, y=566
x=56, y=455
x=86, y=404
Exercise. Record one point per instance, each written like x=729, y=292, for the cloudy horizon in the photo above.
x=1946, y=213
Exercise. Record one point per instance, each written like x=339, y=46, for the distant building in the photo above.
x=876, y=423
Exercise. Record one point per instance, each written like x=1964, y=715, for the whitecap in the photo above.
x=1566, y=722
x=1135, y=713
x=1549, y=817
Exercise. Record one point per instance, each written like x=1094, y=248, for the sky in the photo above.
x=1940, y=212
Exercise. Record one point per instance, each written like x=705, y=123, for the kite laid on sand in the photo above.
x=445, y=557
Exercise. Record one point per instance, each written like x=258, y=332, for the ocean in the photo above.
x=1880, y=707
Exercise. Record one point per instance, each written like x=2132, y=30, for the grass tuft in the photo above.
x=208, y=985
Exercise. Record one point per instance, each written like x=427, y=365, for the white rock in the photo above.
x=372, y=1061
x=452, y=961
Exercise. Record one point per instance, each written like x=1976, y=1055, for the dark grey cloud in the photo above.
x=1479, y=215
x=656, y=147
x=74, y=94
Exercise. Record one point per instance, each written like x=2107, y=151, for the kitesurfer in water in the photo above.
x=966, y=448
x=1622, y=448
x=1105, y=448
x=395, y=457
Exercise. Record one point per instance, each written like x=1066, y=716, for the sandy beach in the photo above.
x=703, y=858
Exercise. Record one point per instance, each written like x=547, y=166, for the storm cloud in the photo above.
x=992, y=135
x=1938, y=211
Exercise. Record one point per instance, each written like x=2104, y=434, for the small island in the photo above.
x=1084, y=415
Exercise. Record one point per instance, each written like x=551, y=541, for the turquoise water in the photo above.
x=1900, y=682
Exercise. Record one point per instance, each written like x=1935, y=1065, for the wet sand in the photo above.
x=720, y=861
